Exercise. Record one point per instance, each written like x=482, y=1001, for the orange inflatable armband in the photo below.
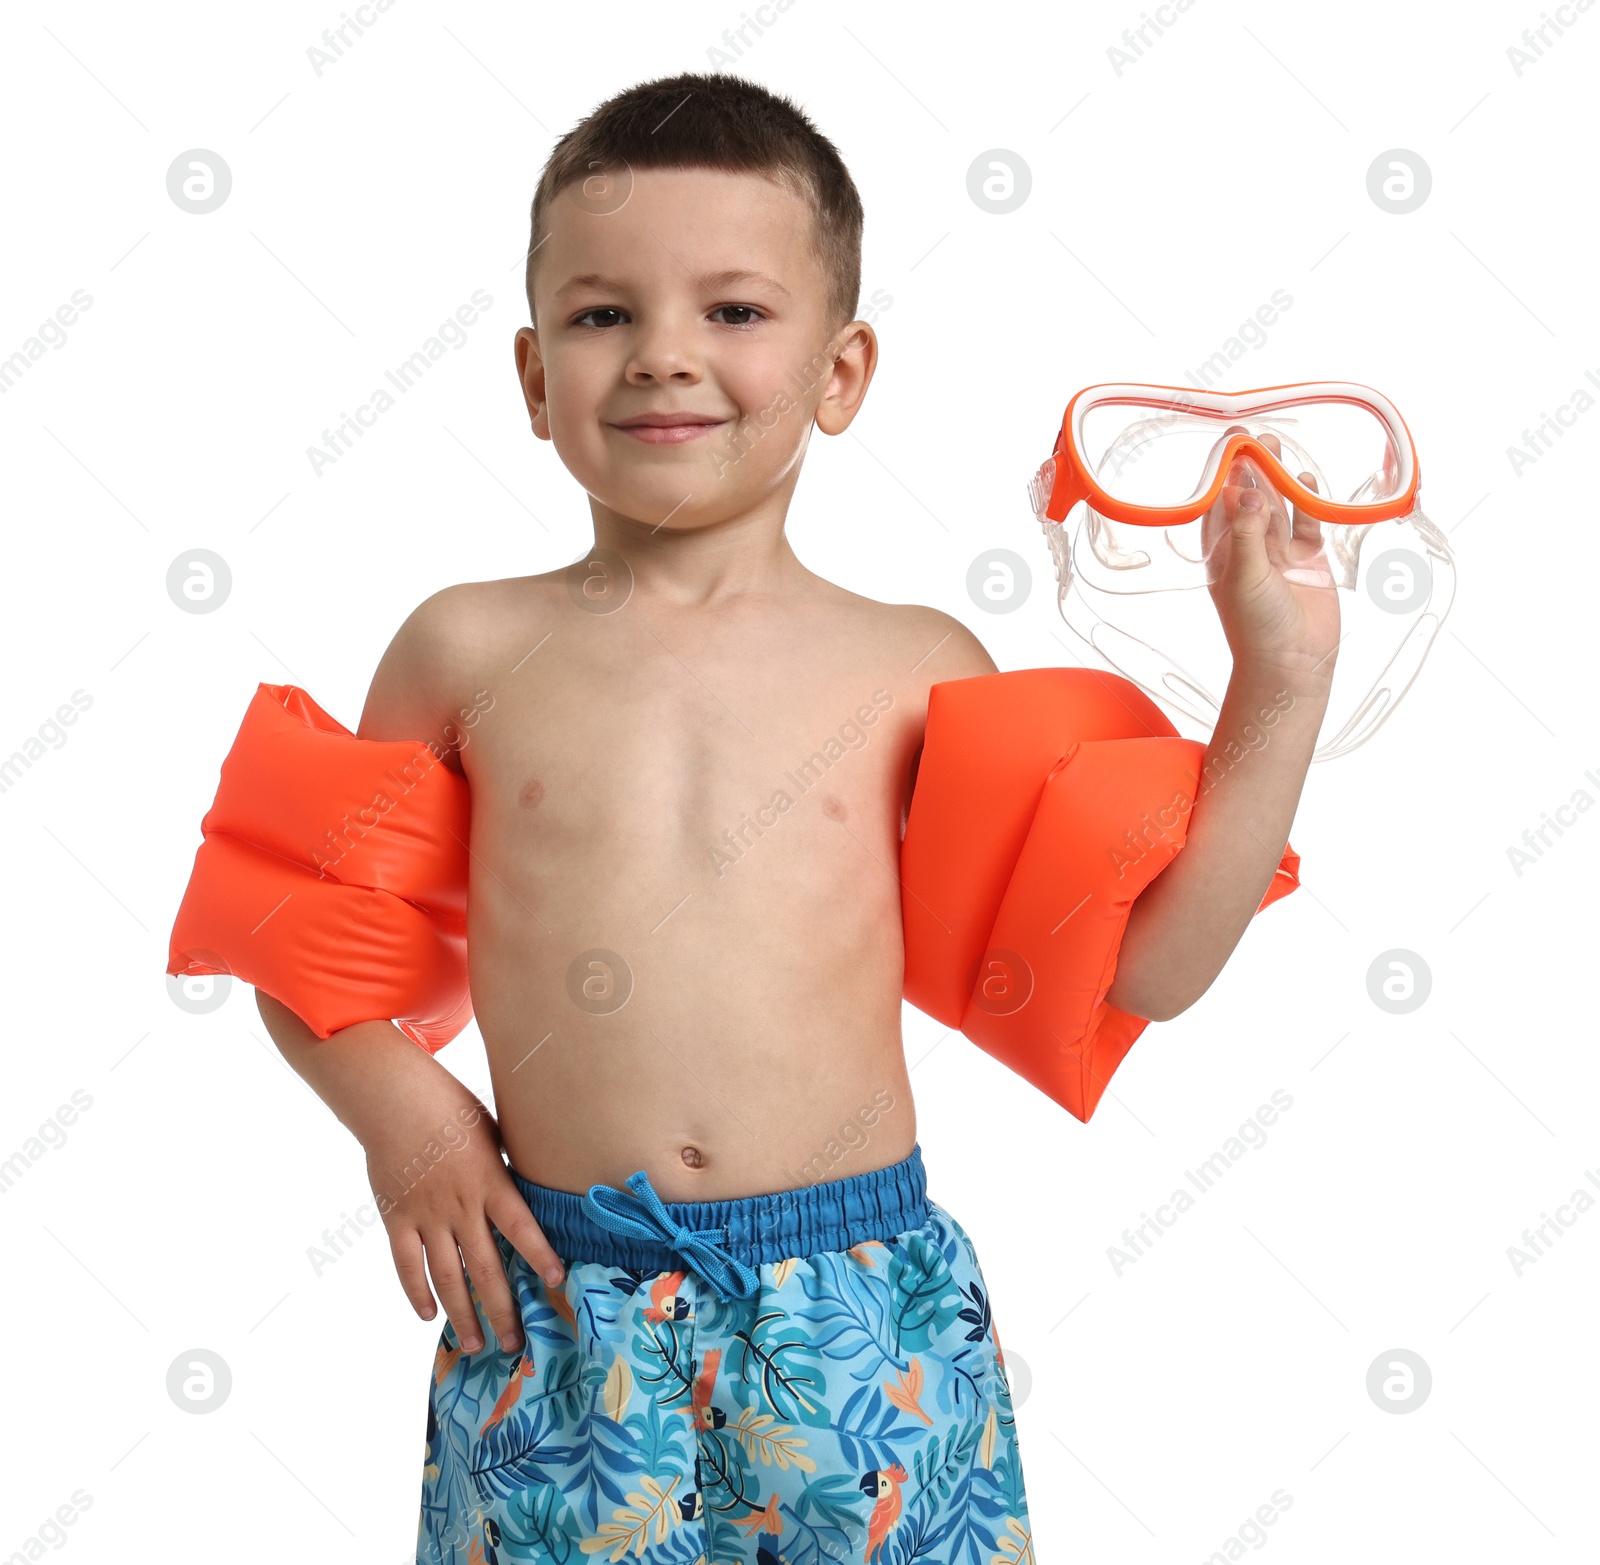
x=1046, y=800
x=333, y=875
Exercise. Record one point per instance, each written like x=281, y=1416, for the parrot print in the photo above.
x=855, y=1409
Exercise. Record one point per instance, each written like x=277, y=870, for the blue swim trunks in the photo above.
x=787, y=1379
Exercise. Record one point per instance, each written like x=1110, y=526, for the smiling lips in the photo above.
x=667, y=429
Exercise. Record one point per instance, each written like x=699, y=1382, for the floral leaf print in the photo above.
x=766, y=1376
x=849, y=1365
x=663, y=1363
x=536, y=1525
x=991, y=1430
x=773, y=1443
x=834, y=1500
x=968, y=1381
x=727, y=1483
x=924, y=1294
x=905, y=1391
x=1016, y=1546
x=933, y=1478
x=606, y=1458
x=852, y=1311
x=967, y=1534
x=976, y=1314
x=654, y=1509
x=618, y=1388
x=520, y=1451
x=965, y=1497
x=870, y=1430
x=656, y=1440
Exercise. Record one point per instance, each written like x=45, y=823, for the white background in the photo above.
x=1157, y=1409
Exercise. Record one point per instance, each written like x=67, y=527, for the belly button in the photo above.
x=692, y=1156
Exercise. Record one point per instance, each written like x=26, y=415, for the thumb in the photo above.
x=1247, y=513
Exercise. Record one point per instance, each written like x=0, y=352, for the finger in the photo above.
x=406, y=1247
x=450, y=1283
x=1238, y=469
x=1307, y=526
x=1257, y=478
x=507, y=1210
x=1257, y=527
x=488, y=1277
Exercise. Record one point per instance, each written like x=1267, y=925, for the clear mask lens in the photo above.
x=1159, y=457
x=1127, y=590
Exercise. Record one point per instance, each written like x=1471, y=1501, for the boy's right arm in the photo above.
x=434, y=1155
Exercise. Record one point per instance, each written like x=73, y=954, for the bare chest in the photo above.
x=628, y=758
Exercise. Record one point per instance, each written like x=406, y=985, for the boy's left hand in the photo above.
x=1272, y=585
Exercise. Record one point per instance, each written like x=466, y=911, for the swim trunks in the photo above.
x=786, y=1379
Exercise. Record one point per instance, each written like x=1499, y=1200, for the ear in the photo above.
x=855, y=357
x=530, y=372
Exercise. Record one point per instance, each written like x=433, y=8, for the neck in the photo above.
x=693, y=564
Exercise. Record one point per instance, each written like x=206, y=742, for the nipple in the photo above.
x=532, y=793
x=693, y=1157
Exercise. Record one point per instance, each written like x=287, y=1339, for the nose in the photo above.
x=664, y=353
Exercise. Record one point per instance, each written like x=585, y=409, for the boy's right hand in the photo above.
x=440, y=1166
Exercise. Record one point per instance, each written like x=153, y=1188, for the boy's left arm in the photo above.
x=1279, y=610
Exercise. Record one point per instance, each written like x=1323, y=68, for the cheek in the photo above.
x=775, y=389
x=576, y=389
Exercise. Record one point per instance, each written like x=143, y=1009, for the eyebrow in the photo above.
x=721, y=279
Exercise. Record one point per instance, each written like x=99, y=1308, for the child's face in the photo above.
x=700, y=296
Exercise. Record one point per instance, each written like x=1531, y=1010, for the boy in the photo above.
x=691, y=761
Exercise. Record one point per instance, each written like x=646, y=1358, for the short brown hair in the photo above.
x=719, y=122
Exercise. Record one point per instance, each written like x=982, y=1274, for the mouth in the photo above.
x=668, y=429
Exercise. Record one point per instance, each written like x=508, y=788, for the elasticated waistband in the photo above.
x=833, y=1215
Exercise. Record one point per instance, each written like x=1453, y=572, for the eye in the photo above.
x=749, y=311
x=603, y=309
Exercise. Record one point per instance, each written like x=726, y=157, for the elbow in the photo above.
x=1168, y=1009
x=1153, y=1005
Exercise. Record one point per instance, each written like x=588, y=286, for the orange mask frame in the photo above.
x=1067, y=478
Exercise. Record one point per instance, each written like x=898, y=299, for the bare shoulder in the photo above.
x=926, y=643
x=945, y=647
x=429, y=676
